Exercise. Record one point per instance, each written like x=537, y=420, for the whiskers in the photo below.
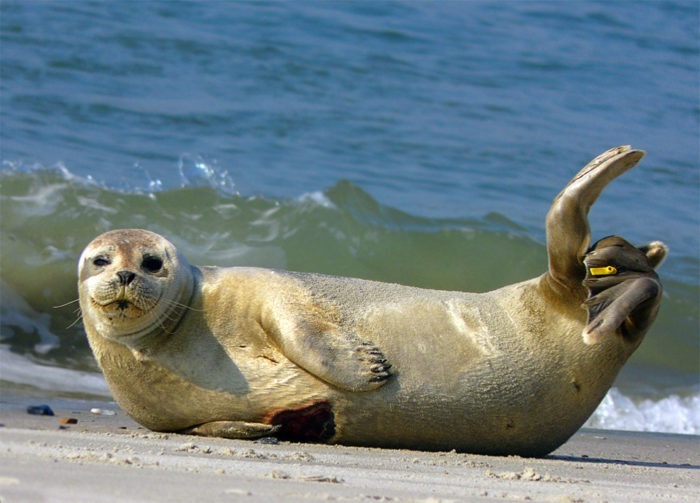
x=77, y=312
x=67, y=304
x=170, y=318
x=172, y=314
x=175, y=303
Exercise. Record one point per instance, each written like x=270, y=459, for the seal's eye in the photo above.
x=100, y=262
x=152, y=264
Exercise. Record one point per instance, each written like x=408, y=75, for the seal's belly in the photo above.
x=429, y=341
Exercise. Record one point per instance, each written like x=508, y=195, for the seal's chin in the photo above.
x=120, y=309
x=118, y=304
x=124, y=321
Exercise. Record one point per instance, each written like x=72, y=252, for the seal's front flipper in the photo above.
x=236, y=430
x=624, y=290
x=333, y=354
x=341, y=359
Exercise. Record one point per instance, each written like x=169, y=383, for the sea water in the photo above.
x=413, y=142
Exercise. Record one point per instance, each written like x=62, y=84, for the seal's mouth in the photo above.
x=123, y=304
x=121, y=308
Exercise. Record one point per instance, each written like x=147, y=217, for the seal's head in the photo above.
x=133, y=283
x=624, y=289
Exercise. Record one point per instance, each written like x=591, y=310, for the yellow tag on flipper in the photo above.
x=608, y=270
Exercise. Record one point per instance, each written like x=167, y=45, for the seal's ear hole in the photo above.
x=151, y=264
x=656, y=253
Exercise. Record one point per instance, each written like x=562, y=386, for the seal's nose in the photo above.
x=126, y=277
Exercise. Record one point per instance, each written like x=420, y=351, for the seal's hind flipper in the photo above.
x=568, y=232
x=614, y=308
x=624, y=290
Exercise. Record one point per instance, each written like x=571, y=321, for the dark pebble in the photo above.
x=40, y=410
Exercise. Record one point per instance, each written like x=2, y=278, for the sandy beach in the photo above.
x=108, y=457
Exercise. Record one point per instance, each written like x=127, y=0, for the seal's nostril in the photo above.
x=126, y=277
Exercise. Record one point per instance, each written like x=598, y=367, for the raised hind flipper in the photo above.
x=568, y=232
x=624, y=290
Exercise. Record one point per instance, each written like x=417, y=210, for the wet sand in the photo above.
x=110, y=458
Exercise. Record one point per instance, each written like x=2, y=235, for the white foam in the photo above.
x=318, y=198
x=195, y=171
x=15, y=312
x=671, y=414
x=17, y=369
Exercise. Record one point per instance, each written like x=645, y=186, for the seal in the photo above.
x=244, y=352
